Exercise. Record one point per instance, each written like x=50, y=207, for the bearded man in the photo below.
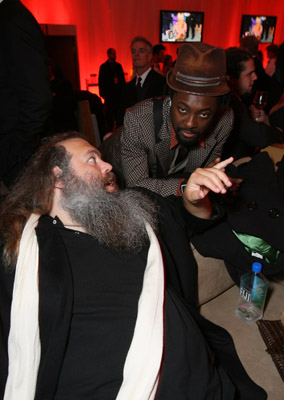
x=95, y=287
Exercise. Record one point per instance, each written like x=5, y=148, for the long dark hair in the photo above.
x=32, y=192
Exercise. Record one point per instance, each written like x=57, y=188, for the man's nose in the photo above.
x=190, y=121
x=105, y=166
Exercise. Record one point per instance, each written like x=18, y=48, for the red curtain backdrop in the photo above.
x=101, y=24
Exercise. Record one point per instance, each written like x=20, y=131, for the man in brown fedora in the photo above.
x=164, y=140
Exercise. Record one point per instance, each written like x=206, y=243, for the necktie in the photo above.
x=139, y=89
x=179, y=161
x=181, y=154
x=139, y=82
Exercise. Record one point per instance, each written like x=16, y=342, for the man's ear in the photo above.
x=57, y=174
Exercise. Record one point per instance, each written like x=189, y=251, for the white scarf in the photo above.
x=23, y=341
x=143, y=361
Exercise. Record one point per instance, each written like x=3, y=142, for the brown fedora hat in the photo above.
x=199, y=69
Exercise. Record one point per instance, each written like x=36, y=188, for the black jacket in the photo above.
x=111, y=82
x=154, y=86
x=25, y=95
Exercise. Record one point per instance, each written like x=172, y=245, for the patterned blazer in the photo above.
x=145, y=161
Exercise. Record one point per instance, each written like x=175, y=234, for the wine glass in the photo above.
x=260, y=99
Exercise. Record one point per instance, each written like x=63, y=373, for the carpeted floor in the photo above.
x=248, y=339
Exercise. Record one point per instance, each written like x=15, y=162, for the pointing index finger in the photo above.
x=223, y=164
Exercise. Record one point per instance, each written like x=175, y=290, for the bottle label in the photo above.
x=258, y=292
x=258, y=255
x=245, y=294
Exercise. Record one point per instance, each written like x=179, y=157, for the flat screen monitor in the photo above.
x=181, y=26
x=261, y=26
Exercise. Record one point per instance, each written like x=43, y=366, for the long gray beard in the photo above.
x=116, y=220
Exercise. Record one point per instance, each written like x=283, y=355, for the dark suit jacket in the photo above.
x=154, y=85
x=55, y=313
x=25, y=95
x=111, y=88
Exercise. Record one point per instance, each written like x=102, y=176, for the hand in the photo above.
x=258, y=115
x=200, y=183
x=214, y=162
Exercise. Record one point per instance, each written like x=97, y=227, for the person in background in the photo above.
x=111, y=84
x=63, y=116
x=177, y=50
x=158, y=57
x=168, y=64
x=250, y=44
x=272, y=51
x=105, y=280
x=25, y=95
x=273, y=115
x=260, y=56
x=276, y=86
x=147, y=82
x=248, y=134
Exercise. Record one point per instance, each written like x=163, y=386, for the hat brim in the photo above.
x=221, y=89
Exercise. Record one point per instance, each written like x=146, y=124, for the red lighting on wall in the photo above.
x=102, y=24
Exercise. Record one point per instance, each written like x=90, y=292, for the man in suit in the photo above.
x=111, y=84
x=147, y=82
x=84, y=281
x=25, y=95
x=164, y=140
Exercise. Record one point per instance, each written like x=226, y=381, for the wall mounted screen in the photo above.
x=261, y=26
x=181, y=26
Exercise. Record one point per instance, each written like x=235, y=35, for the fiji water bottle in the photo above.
x=253, y=288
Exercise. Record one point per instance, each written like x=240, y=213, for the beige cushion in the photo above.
x=213, y=278
x=275, y=152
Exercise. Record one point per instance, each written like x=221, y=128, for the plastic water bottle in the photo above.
x=253, y=288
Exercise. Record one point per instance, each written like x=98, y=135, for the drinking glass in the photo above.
x=260, y=99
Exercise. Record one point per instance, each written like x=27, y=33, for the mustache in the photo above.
x=109, y=179
x=191, y=131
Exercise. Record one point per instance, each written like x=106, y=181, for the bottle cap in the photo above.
x=256, y=267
